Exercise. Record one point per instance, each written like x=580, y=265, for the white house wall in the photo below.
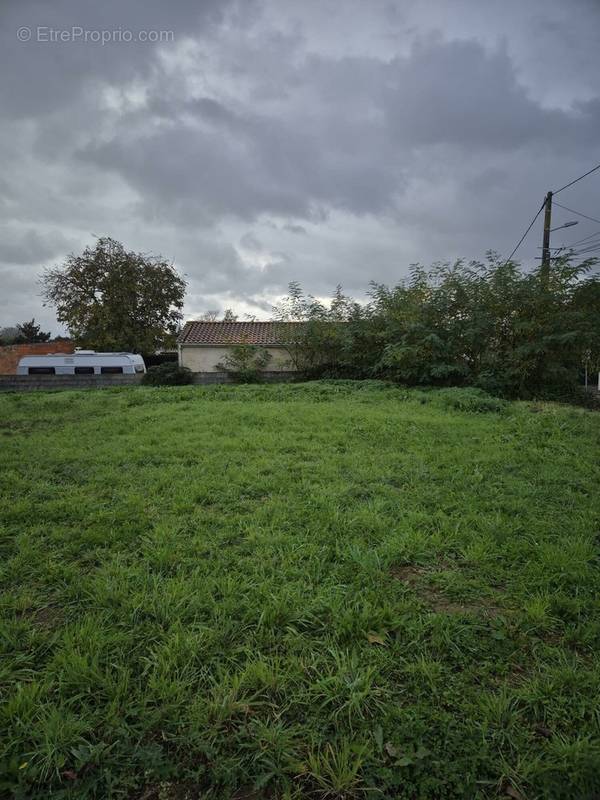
x=204, y=358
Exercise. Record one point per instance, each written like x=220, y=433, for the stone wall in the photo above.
x=11, y=354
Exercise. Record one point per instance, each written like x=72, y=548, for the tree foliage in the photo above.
x=114, y=299
x=24, y=333
x=489, y=324
x=321, y=339
x=30, y=333
x=244, y=362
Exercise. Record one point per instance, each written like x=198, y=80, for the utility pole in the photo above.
x=546, y=240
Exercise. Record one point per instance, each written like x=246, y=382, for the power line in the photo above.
x=586, y=250
x=531, y=224
x=578, y=213
x=585, y=239
x=566, y=186
x=573, y=253
x=593, y=249
x=548, y=199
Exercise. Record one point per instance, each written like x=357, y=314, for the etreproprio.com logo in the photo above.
x=76, y=34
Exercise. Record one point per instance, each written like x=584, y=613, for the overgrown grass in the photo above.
x=327, y=590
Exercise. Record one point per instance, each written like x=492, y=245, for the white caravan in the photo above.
x=82, y=362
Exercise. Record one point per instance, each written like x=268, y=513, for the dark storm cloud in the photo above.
x=344, y=136
x=41, y=76
x=272, y=141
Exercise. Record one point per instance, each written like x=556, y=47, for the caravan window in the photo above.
x=42, y=371
x=84, y=370
x=111, y=370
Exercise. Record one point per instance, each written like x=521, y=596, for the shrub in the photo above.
x=512, y=332
x=244, y=363
x=168, y=374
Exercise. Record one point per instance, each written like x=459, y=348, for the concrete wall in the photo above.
x=204, y=378
x=24, y=383
x=204, y=358
x=11, y=354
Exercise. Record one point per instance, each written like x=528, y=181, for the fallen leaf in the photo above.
x=510, y=791
x=70, y=775
x=24, y=765
x=390, y=750
x=375, y=638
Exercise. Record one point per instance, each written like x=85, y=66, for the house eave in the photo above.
x=228, y=344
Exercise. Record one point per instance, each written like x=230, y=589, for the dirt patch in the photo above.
x=408, y=574
x=415, y=577
x=250, y=794
x=170, y=791
x=192, y=791
x=438, y=602
x=47, y=617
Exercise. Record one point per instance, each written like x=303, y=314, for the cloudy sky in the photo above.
x=263, y=141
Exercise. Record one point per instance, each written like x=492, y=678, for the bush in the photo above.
x=511, y=332
x=154, y=359
x=245, y=362
x=168, y=374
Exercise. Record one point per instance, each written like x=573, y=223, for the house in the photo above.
x=202, y=346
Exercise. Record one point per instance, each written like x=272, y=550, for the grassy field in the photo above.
x=326, y=590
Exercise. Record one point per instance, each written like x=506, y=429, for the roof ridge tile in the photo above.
x=224, y=332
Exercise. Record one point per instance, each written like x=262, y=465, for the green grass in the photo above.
x=326, y=590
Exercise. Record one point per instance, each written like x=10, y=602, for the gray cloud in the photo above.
x=42, y=76
x=273, y=141
x=31, y=245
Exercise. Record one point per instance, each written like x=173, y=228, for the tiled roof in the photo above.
x=224, y=333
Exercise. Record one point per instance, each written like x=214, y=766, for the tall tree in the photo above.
x=114, y=299
x=30, y=333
